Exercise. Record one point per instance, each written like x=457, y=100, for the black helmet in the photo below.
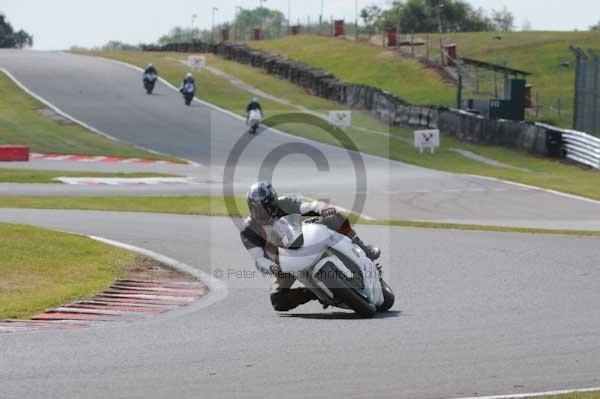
x=262, y=202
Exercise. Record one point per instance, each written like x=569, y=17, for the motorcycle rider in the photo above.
x=150, y=76
x=266, y=208
x=150, y=70
x=254, y=105
x=189, y=78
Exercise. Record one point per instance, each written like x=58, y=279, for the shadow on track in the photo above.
x=339, y=315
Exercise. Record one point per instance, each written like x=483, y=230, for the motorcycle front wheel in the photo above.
x=388, y=297
x=345, y=292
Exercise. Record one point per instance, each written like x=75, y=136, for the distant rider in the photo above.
x=254, y=105
x=266, y=208
x=150, y=70
x=189, y=78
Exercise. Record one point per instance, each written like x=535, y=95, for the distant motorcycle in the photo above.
x=149, y=82
x=188, y=90
x=254, y=119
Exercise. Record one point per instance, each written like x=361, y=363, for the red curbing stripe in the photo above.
x=126, y=300
x=159, y=297
x=100, y=301
x=157, y=289
x=94, y=158
x=78, y=157
x=182, y=283
x=187, y=294
x=123, y=308
x=162, y=285
x=113, y=159
x=77, y=310
x=75, y=316
x=119, y=298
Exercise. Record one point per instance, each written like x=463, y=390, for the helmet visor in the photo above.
x=263, y=212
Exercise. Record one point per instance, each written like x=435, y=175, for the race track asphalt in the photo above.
x=477, y=313
x=108, y=96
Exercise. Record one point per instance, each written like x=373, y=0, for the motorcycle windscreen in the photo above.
x=315, y=241
x=287, y=232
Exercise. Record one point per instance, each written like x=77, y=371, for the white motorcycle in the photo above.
x=254, y=119
x=329, y=264
x=150, y=82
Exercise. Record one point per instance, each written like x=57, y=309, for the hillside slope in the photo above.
x=538, y=52
x=366, y=64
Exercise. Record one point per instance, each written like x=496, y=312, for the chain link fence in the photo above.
x=550, y=101
x=587, y=91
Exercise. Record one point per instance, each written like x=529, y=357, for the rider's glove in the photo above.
x=275, y=269
x=329, y=212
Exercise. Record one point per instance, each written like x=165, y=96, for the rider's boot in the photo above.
x=372, y=252
x=300, y=296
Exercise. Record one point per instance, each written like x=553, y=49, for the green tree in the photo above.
x=11, y=39
x=595, y=27
x=503, y=20
x=421, y=16
x=371, y=17
x=116, y=45
x=182, y=35
x=271, y=22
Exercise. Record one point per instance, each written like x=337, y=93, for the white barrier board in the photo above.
x=340, y=118
x=427, y=139
x=197, y=61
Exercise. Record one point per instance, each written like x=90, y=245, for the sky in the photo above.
x=59, y=24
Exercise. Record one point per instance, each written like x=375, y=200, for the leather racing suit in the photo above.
x=255, y=238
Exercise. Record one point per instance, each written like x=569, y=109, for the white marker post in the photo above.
x=340, y=118
x=427, y=139
x=197, y=61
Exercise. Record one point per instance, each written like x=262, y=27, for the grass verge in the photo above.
x=24, y=120
x=181, y=205
x=217, y=206
x=41, y=268
x=48, y=176
x=395, y=143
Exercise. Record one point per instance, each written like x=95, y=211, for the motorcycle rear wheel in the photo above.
x=343, y=291
x=149, y=86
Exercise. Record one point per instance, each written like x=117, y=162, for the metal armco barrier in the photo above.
x=578, y=146
x=586, y=113
x=582, y=147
